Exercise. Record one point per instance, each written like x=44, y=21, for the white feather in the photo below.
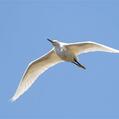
x=88, y=46
x=34, y=70
x=57, y=55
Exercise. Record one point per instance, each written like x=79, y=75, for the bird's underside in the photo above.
x=39, y=66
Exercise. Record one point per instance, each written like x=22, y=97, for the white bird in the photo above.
x=60, y=52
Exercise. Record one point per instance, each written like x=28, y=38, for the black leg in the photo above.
x=78, y=64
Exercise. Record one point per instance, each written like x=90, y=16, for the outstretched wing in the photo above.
x=35, y=69
x=88, y=46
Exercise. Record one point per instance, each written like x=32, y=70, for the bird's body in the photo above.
x=64, y=53
x=61, y=52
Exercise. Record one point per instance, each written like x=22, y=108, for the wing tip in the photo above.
x=14, y=98
x=115, y=51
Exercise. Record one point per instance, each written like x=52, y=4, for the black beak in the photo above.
x=50, y=40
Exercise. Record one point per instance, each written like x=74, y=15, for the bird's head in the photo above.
x=54, y=42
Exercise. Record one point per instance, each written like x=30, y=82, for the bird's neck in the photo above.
x=58, y=49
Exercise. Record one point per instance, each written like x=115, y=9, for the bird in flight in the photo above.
x=59, y=53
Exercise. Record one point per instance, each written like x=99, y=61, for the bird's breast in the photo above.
x=59, y=51
x=64, y=54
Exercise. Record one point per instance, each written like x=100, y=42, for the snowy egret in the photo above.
x=60, y=52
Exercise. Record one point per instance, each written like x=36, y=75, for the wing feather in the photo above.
x=33, y=71
x=88, y=46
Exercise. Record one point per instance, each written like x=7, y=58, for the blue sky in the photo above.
x=63, y=91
